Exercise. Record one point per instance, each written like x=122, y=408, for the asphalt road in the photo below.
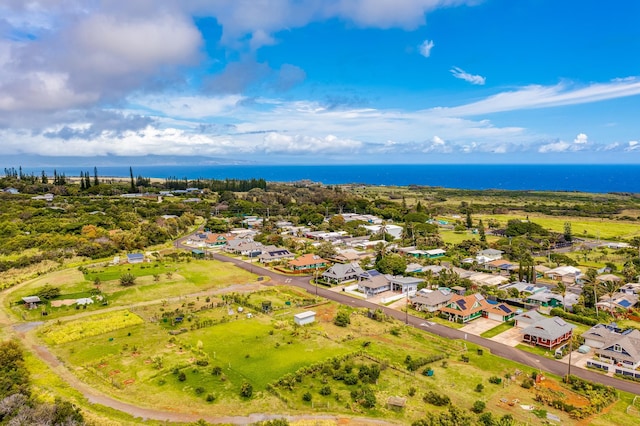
x=496, y=348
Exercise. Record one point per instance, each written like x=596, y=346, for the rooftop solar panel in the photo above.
x=463, y=304
x=505, y=308
x=560, y=321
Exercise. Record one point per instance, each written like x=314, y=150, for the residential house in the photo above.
x=630, y=288
x=548, y=333
x=413, y=268
x=488, y=255
x=540, y=270
x=566, y=274
x=598, y=335
x=524, y=288
x=431, y=301
x=404, y=285
x=527, y=319
x=307, y=262
x=425, y=254
x=340, y=273
x=459, y=290
x=622, y=301
x=463, y=309
x=500, y=265
x=373, y=283
x=498, y=312
x=273, y=254
x=619, y=353
x=608, y=277
x=218, y=240
x=244, y=247
x=12, y=191
x=394, y=230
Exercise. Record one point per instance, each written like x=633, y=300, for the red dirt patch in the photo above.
x=147, y=361
x=103, y=365
x=570, y=397
x=170, y=345
x=128, y=382
x=114, y=372
x=135, y=354
x=325, y=313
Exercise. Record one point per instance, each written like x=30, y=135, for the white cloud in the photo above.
x=633, y=146
x=425, y=48
x=581, y=139
x=536, y=96
x=559, y=146
x=471, y=78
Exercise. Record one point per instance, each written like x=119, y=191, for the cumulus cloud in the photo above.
x=425, y=48
x=471, y=78
x=581, y=139
x=632, y=146
x=558, y=146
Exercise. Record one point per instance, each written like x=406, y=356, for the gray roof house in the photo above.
x=528, y=318
x=341, y=272
x=620, y=353
x=548, y=333
x=373, y=283
x=430, y=301
x=272, y=254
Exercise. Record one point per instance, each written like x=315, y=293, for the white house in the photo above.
x=394, y=230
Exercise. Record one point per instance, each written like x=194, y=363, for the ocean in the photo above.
x=583, y=178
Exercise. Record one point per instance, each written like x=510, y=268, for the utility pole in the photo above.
x=406, y=308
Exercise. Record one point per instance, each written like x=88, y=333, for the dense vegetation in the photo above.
x=17, y=405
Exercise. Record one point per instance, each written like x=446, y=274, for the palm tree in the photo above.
x=561, y=289
x=610, y=288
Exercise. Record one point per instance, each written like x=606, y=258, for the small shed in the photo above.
x=304, y=318
x=198, y=254
x=135, y=257
x=31, y=302
x=396, y=403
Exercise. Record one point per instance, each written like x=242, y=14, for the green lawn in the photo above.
x=501, y=328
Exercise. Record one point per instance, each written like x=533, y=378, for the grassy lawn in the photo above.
x=536, y=350
x=501, y=328
x=448, y=323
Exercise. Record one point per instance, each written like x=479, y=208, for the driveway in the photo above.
x=511, y=337
x=479, y=326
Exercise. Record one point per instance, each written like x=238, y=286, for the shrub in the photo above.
x=412, y=391
x=342, y=319
x=306, y=396
x=216, y=371
x=246, y=390
x=351, y=379
x=479, y=387
x=478, y=407
x=199, y=390
x=527, y=383
x=181, y=376
x=127, y=280
x=202, y=362
x=211, y=397
x=495, y=380
x=325, y=390
x=436, y=399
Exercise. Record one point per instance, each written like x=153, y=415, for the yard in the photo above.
x=214, y=351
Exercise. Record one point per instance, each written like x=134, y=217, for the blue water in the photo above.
x=585, y=178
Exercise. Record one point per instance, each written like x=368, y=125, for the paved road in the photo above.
x=496, y=348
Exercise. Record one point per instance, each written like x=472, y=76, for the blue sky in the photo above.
x=315, y=82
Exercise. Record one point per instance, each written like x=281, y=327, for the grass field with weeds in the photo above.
x=202, y=367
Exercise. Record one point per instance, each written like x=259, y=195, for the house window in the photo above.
x=617, y=348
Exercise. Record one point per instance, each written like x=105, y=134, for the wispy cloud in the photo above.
x=471, y=78
x=425, y=48
x=536, y=96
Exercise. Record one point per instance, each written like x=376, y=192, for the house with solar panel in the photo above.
x=463, y=309
x=548, y=333
x=619, y=353
x=373, y=283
